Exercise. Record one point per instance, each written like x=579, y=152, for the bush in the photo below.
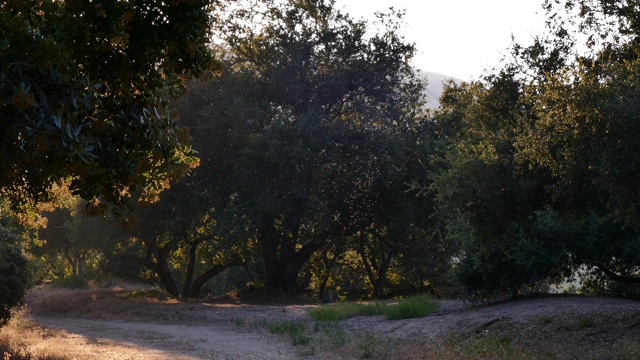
x=14, y=277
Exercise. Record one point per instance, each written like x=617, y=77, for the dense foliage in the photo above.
x=543, y=180
x=14, y=269
x=320, y=170
x=299, y=131
x=83, y=104
x=307, y=136
x=83, y=90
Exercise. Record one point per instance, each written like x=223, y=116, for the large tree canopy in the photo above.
x=291, y=129
x=83, y=93
x=543, y=179
x=586, y=132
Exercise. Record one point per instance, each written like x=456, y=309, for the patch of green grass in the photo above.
x=582, y=323
x=495, y=344
x=341, y=311
x=411, y=307
x=335, y=337
x=295, y=329
x=239, y=321
x=545, y=319
x=287, y=327
x=372, y=346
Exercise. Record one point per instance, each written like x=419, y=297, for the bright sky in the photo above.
x=459, y=38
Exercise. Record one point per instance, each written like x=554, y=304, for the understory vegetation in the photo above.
x=411, y=307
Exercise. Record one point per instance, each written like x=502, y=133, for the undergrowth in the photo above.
x=11, y=351
x=411, y=307
x=296, y=330
x=341, y=311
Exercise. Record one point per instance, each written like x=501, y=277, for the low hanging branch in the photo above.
x=619, y=278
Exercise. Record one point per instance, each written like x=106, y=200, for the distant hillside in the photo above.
x=434, y=86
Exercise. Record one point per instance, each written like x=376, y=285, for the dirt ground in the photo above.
x=561, y=326
x=104, y=324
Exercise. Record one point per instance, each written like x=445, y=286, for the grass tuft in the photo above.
x=341, y=311
x=295, y=329
x=412, y=307
x=483, y=346
x=583, y=323
x=545, y=319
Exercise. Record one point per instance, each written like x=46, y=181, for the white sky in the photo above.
x=459, y=38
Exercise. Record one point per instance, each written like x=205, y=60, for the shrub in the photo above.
x=14, y=273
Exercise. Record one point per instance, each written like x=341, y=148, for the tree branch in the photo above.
x=619, y=278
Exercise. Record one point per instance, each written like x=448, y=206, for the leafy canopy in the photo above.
x=83, y=94
x=542, y=177
x=291, y=127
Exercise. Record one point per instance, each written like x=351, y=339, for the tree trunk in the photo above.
x=282, y=271
x=282, y=274
x=376, y=272
x=186, y=289
x=194, y=290
x=164, y=273
x=283, y=258
x=82, y=261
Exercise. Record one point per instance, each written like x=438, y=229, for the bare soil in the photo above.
x=106, y=324
x=551, y=326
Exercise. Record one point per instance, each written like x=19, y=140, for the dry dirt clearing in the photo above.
x=107, y=339
x=105, y=324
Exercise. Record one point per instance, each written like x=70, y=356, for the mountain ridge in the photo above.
x=435, y=86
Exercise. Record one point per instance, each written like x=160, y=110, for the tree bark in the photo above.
x=191, y=264
x=376, y=272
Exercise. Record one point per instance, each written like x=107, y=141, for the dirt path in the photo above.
x=105, y=339
x=101, y=324
x=105, y=324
